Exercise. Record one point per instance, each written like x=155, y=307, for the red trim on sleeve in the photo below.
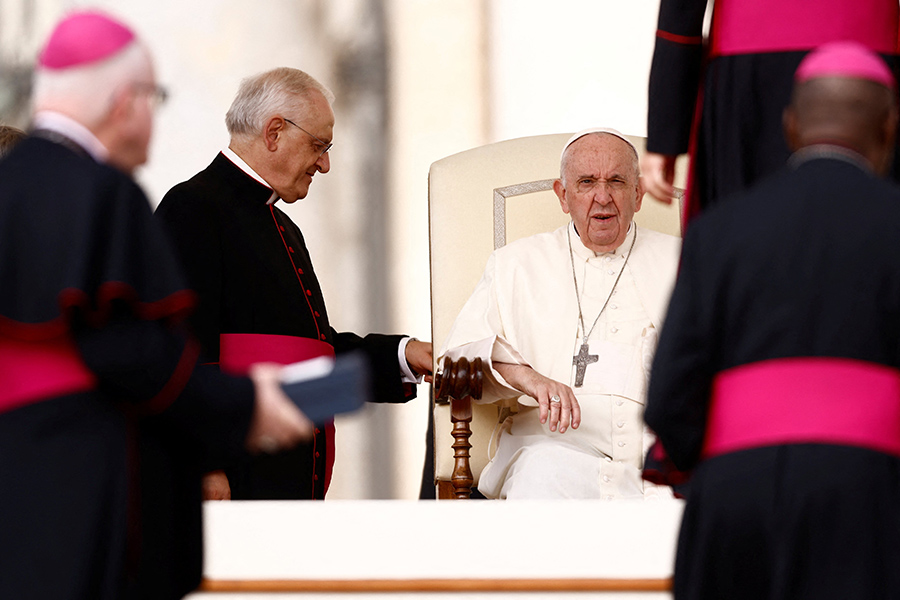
x=687, y=40
x=175, y=308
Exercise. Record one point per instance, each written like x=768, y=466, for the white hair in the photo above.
x=281, y=91
x=86, y=92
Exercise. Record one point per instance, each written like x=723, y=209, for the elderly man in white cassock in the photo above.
x=566, y=322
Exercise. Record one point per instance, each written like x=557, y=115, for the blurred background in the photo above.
x=415, y=81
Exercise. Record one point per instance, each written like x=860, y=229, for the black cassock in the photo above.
x=259, y=295
x=776, y=379
x=721, y=99
x=104, y=421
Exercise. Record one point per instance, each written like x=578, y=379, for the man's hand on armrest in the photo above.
x=563, y=410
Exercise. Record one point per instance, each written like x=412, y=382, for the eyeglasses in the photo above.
x=324, y=145
x=156, y=94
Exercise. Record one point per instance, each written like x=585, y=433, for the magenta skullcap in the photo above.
x=845, y=59
x=585, y=132
x=82, y=38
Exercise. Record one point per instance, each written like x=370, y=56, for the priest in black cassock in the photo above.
x=777, y=377
x=104, y=420
x=259, y=296
x=720, y=99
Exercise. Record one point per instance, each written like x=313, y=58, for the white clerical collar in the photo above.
x=243, y=166
x=70, y=128
x=585, y=253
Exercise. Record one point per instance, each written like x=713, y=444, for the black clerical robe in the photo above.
x=104, y=421
x=777, y=380
x=259, y=295
x=722, y=100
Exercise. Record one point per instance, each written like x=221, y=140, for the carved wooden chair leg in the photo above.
x=460, y=382
x=461, y=417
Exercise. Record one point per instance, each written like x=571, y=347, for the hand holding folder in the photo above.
x=323, y=387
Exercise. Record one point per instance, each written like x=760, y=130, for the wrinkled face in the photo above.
x=301, y=147
x=600, y=189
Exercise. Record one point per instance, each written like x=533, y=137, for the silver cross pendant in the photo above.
x=581, y=361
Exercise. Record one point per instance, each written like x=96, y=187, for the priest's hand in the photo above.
x=557, y=401
x=420, y=358
x=277, y=423
x=658, y=176
x=215, y=486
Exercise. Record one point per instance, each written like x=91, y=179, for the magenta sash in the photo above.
x=34, y=371
x=818, y=400
x=239, y=351
x=755, y=26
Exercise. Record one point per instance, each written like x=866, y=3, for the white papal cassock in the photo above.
x=524, y=311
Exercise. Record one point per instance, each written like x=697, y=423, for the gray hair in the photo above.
x=86, y=92
x=564, y=161
x=265, y=95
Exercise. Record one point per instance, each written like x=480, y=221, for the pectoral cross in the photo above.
x=581, y=361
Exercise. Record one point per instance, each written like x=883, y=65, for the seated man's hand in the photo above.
x=277, y=423
x=556, y=400
x=215, y=486
x=420, y=358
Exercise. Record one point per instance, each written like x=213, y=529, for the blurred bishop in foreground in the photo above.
x=104, y=420
x=777, y=377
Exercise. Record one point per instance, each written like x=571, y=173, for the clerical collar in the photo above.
x=69, y=128
x=585, y=253
x=243, y=166
x=832, y=151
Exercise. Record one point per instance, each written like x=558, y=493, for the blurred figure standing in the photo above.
x=777, y=377
x=104, y=421
x=722, y=101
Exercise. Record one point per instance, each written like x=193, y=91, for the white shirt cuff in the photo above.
x=407, y=375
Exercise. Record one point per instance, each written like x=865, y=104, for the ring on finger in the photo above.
x=555, y=399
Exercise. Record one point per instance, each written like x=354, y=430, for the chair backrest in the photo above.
x=478, y=201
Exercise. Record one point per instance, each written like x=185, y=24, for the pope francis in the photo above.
x=566, y=323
